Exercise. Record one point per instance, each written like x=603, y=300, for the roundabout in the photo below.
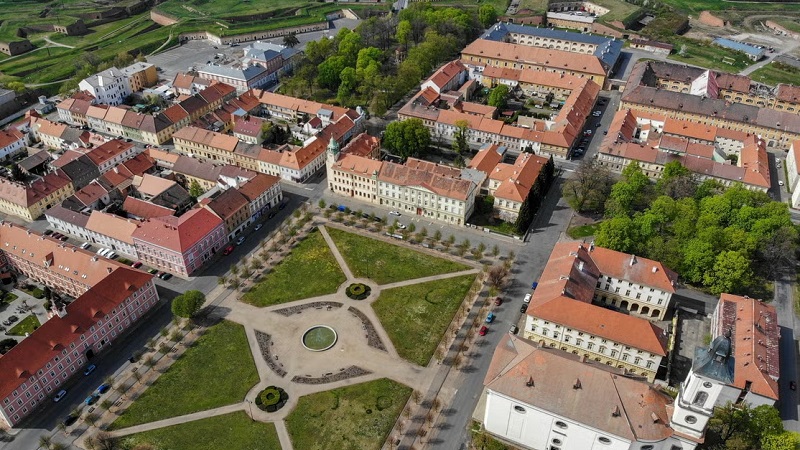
x=319, y=338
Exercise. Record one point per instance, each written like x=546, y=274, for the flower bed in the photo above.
x=358, y=291
x=271, y=399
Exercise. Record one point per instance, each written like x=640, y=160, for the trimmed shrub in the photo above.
x=358, y=291
x=37, y=293
x=271, y=399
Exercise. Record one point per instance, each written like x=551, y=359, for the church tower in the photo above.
x=705, y=387
x=332, y=155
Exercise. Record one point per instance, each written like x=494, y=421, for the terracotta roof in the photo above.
x=516, y=180
x=184, y=81
x=257, y=185
x=754, y=160
x=206, y=137
x=227, y=204
x=589, y=393
x=178, y=233
x=112, y=226
x=634, y=268
x=567, y=285
x=426, y=177
x=362, y=145
x=476, y=109
x=249, y=126
x=161, y=155
x=139, y=164
x=152, y=185
x=733, y=82
x=689, y=129
x=429, y=95
x=90, y=193
x=298, y=105
x=144, y=209
x=108, y=291
x=788, y=93
x=541, y=57
x=446, y=74
x=358, y=165
x=175, y=113
x=8, y=137
x=109, y=150
x=755, y=338
x=486, y=159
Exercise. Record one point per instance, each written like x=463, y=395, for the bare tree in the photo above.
x=589, y=187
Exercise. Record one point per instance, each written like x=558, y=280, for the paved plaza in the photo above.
x=363, y=351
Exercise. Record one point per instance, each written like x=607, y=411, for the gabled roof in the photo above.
x=144, y=209
x=178, y=233
x=446, y=74
x=517, y=180
x=152, y=185
x=755, y=339
x=67, y=215
x=427, y=177
x=256, y=186
x=108, y=151
x=10, y=136
x=112, y=226
x=542, y=57
x=227, y=204
x=591, y=394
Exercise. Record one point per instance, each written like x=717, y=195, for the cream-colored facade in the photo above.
x=418, y=200
x=608, y=352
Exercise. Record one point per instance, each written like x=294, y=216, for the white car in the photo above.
x=60, y=395
x=85, y=245
x=401, y=226
x=394, y=213
x=527, y=299
x=780, y=183
x=240, y=241
x=597, y=113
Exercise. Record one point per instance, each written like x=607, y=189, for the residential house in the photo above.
x=11, y=143
x=30, y=200
x=114, y=232
x=109, y=87
x=232, y=207
x=140, y=75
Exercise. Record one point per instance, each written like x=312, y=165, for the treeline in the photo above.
x=360, y=67
x=724, y=239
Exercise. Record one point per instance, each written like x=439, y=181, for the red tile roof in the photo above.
x=178, y=233
x=145, y=209
x=8, y=137
x=446, y=74
x=109, y=150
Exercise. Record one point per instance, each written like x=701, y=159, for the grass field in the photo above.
x=415, y=317
x=538, y=6
x=217, y=370
x=704, y=54
x=619, y=9
x=387, y=263
x=499, y=5
x=234, y=431
x=774, y=73
x=310, y=270
x=353, y=417
x=25, y=326
x=583, y=231
x=696, y=6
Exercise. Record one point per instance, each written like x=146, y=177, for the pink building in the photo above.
x=109, y=298
x=180, y=245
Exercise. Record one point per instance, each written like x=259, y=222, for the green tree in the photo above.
x=318, y=51
x=487, y=15
x=290, y=40
x=16, y=86
x=407, y=138
x=403, y=33
x=499, y=95
x=698, y=259
x=783, y=441
x=195, y=190
x=348, y=84
x=588, y=189
x=328, y=72
x=349, y=47
x=6, y=345
x=188, y=304
x=630, y=193
x=460, y=144
x=731, y=273
x=618, y=233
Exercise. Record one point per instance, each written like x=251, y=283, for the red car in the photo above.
x=483, y=330
x=498, y=301
x=228, y=250
x=136, y=265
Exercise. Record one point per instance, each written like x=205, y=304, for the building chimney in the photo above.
x=616, y=412
x=577, y=384
x=655, y=269
x=580, y=266
x=633, y=260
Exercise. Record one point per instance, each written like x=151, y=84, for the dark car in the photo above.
x=792, y=385
x=103, y=388
x=165, y=276
x=13, y=319
x=48, y=232
x=63, y=238
x=498, y=301
x=91, y=400
x=70, y=420
x=152, y=271
x=271, y=215
x=283, y=205
x=89, y=369
x=523, y=308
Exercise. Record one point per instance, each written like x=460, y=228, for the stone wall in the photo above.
x=258, y=35
x=16, y=47
x=161, y=18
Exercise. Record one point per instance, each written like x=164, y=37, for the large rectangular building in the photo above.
x=109, y=298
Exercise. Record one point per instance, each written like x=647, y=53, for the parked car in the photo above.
x=283, y=205
x=103, y=388
x=523, y=308
x=792, y=385
x=401, y=226
x=271, y=215
x=89, y=369
x=70, y=419
x=394, y=213
x=498, y=301
x=136, y=265
x=111, y=254
x=13, y=319
x=86, y=246
x=780, y=183
x=241, y=240
x=56, y=235
x=513, y=329
x=527, y=299
x=60, y=395
x=63, y=238
x=483, y=330
x=152, y=271
x=166, y=276
x=534, y=285
x=490, y=318
x=91, y=400
x=228, y=250
x=48, y=232
x=258, y=226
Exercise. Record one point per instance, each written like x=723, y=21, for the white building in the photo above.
x=566, y=313
x=11, y=142
x=539, y=398
x=109, y=87
x=243, y=78
x=793, y=169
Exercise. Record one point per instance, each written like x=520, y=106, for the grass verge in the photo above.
x=582, y=231
x=775, y=72
x=218, y=370
x=388, y=263
x=352, y=417
x=415, y=317
x=310, y=270
x=234, y=431
x=25, y=326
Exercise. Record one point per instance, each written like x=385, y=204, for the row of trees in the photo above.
x=726, y=239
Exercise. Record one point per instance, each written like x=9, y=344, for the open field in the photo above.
x=234, y=431
x=499, y=5
x=415, y=317
x=774, y=73
x=539, y=6
x=703, y=54
x=619, y=9
x=696, y=6
x=193, y=384
x=387, y=263
x=310, y=270
x=352, y=417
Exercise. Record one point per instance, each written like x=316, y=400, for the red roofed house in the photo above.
x=11, y=142
x=109, y=298
x=30, y=201
x=112, y=153
x=180, y=245
x=562, y=314
x=541, y=398
x=449, y=77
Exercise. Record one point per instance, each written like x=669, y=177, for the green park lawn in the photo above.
x=774, y=73
x=415, y=317
x=310, y=270
x=234, y=431
x=385, y=263
x=217, y=370
x=583, y=231
x=25, y=326
x=353, y=417
x=704, y=54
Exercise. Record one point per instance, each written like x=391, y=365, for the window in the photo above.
x=561, y=425
x=700, y=398
x=691, y=419
x=519, y=409
x=707, y=385
x=604, y=440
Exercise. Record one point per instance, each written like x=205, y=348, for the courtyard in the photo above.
x=347, y=359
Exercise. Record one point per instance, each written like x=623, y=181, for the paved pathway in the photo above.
x=287, y=350
x=57, y=44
